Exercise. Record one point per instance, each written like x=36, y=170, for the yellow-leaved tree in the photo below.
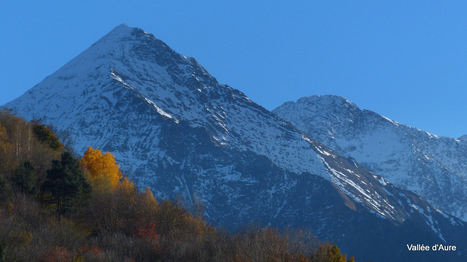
x=100, y=169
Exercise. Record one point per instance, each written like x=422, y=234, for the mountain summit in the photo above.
x=175, y=129
x=434, y=167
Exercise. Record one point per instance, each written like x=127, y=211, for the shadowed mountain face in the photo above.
x=175, y=129
x=434, y=167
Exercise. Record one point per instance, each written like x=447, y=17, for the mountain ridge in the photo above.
x=362, y=134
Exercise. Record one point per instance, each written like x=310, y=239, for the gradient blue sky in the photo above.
x=406, y=60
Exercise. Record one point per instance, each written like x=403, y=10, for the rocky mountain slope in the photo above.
x=175, y=129
x=434, y=167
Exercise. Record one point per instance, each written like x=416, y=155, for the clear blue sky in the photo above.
x=406, y=60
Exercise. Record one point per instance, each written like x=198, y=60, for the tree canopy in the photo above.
x=65, y=187
x=101, y=169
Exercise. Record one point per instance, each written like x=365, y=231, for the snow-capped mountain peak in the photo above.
x=408, y=157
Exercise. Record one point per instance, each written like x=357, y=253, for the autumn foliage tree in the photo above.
x=116, y=204
x=101, y=169
x=330, y=253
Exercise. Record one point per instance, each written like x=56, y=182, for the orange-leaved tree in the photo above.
x=101, y=169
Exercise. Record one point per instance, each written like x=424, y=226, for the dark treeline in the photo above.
x=55, y=206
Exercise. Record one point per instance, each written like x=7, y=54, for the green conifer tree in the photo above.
x=24, y=179
x=65, y=188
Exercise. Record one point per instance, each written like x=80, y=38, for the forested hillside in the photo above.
x=56, y=206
